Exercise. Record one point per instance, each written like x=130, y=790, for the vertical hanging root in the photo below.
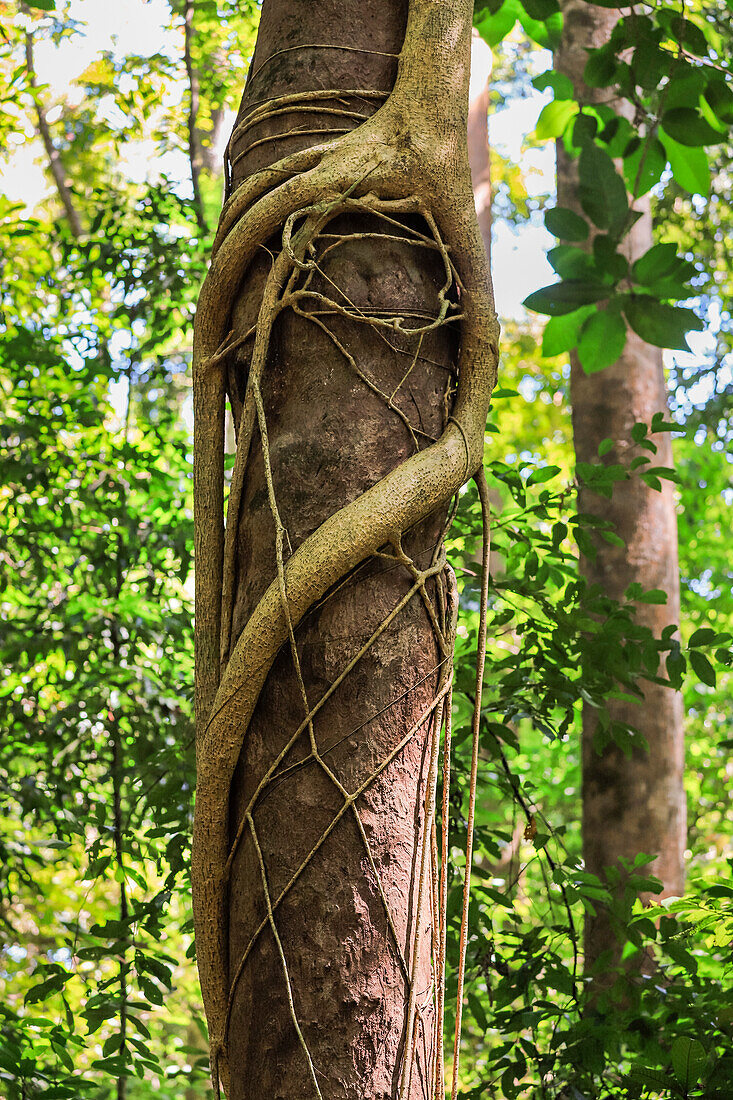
x=408, y=159
x=281, y=953
x=483, y=491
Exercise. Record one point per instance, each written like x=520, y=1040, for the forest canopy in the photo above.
x=113, y=126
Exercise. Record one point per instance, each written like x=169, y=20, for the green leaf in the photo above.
x=565, y=297
x=688, y=127
x=690, y=167
x=540, y=9
x=659, y=424
x=666, y=472
x=542, y=474
x=566, y=224
x=42, y=5
x=601, y=190
x=689, y=34
x=675, y=664
x=602, y=341
x=608, y=260
x=479, y=1013
x=112, y=1043
x=51, y=985
x=554, y=118
x=545, y=32
x=561, y=333
x=605, y=446
x=650, y=64
x=643, y=167
x=661, y=325
x=719, y=97
x=560, y=85
x=600, y=68
x=685, y=88
x=718, y=890
x=688, y=1061
x=702, y=668
x=660, y=260
x=653, y=595
x=571, y=262
x=703, y=636
x=618, y=136
x=585, y=128
x=496, y=26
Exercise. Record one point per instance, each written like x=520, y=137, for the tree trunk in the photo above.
x=478, y=135
x=638, y=804
x=315, y=864
x=331, y=437
x=204, y=148
x=195, y=157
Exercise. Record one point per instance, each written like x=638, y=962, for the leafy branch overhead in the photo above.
x=668, y=68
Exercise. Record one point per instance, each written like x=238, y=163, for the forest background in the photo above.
x=101, y=264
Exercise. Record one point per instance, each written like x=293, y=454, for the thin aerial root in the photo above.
x=324, y=837
x=483, y=491
x=409, y=370
x=281, y=953
x=443, y=899
x=257, y=118
x=424, y=860
x=314, y=96
x=317, y=46
x=285, y=137
x=272, y=772
x=360, y=373
x=382, y=895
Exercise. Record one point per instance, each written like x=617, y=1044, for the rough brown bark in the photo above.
x=331, y=438
x=314, y=1001
x=638, y=804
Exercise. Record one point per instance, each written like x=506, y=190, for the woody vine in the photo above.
x=404, y=167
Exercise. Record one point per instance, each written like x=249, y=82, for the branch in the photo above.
x=55, y=162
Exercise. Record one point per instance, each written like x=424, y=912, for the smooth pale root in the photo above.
x=413, y=149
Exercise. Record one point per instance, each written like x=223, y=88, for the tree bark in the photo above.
x=328, y=954
x=331, y=438
x=638, y=804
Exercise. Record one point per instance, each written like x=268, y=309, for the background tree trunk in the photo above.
x=638, y=804
x=478, y=135
x=331, y=437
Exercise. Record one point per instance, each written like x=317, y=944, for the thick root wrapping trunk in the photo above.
x=348, y=317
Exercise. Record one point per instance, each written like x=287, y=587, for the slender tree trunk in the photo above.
x=195, y=157
x=478, y=135
x=211, y=159
x=638, y=804
x=204, y=148
x=315, y=862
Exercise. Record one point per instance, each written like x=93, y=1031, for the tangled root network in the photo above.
x=407, y=160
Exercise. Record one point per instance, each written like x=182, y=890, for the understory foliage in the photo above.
x=99, y=993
